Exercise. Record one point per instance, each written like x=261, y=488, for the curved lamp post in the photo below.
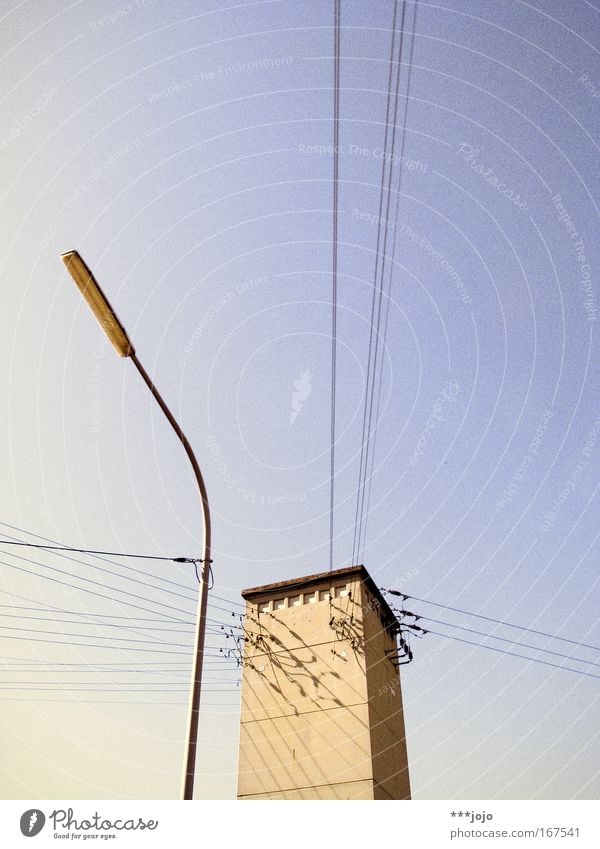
x=91, y=291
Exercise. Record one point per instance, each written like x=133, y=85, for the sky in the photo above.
x=185, y=149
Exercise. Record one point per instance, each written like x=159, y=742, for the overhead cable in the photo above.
x=515, y=654
x=386, y=173
x=489, y=619
x=336, y=165
x=388, y=295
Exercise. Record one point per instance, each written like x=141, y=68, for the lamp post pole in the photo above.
x=97, y=301
x=194, y=710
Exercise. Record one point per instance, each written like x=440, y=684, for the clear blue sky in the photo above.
x=179, y=148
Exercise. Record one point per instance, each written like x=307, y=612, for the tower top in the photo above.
x=308, y=581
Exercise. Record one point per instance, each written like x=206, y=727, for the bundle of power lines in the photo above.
x=418, y=624
x=140, y=654
x=385, y=255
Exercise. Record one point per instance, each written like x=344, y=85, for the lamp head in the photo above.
x=98, y=303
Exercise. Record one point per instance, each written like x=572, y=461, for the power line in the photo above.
x=391, y=267
x=137, y=572
x=387, y=165
x=122, y=565
x=96, y=689
x=380, y=290
x=216, y=628
x=212, y=630
x=106, y=702
x=98, y=664
x=92, y=622
x=514, y=654
x=116, y=684
x=144, y=627
x=94, y=645
x=137, y=641
x=88, y=636
x=364, y=424
x=79, y=612
x=105, y=672
x=95, y=665
x=97, y=554
x=92, y=616
x=137, y=702
x=225, y=609
x=497, y=637
x=115, y=668
x=336, y=165
x=76, y=685
x=229, y=601
x=489, y=619
x=126, y=577
x=92, y=551
x=111, y=690
x=96, y=583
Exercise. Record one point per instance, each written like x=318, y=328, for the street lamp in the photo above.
x=115, y=331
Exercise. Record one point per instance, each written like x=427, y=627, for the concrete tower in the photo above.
x=321, y=702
